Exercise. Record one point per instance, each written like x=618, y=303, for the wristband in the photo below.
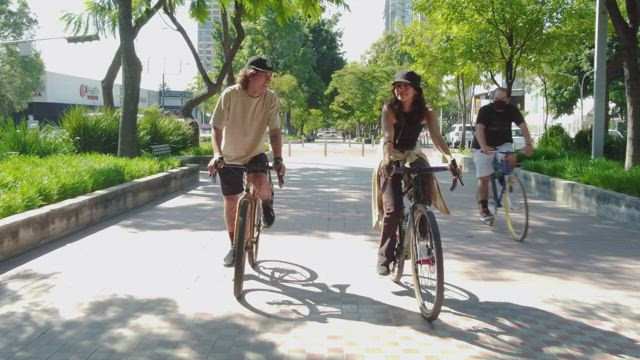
x=278, y=158
x=386, y=142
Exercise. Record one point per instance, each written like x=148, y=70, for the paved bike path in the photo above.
x=149, y=283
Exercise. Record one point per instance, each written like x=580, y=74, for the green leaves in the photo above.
x=28, y=182
x=19, y=75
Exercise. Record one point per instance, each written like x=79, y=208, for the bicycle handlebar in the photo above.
x=255, y=167
x=419, y=169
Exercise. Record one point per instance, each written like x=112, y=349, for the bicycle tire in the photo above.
x=240, y=240
x=516, y=209
x=426, y=254
x=397, y=267
x=252, y=251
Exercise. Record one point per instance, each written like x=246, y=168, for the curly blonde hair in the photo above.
x=244, y=76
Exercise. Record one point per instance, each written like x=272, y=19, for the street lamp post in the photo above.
x=582, y=96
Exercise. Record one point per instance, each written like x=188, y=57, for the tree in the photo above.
x=627, y=32
x=103, y=17
x=361, y=90
x=131, y=75
x=19, y=75
x=501, y=36
x=231, y=41
x=388, y=51
x=291, y=97
x=445, y=61
x=101, y=14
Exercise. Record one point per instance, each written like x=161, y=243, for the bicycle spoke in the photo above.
x=428, y=268
x=516, y=209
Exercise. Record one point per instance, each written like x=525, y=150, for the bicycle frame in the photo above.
x=500, y=168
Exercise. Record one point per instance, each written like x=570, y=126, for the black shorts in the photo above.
x=231, y=179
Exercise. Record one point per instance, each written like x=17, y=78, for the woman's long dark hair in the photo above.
x=419, y=105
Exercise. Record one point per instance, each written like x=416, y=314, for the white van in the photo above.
x=455, y=135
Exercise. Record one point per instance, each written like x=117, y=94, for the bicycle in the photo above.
x=419, y=240
x=248, y=225
x=508, y=189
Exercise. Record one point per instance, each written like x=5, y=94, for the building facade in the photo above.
x=58, y=92
x=206, y=48
x=397, y=14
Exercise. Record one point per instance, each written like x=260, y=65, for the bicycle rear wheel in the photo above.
x=252, y=251
x=241, y=233
x=397, y=267
x=516, y=208
x=427, y=260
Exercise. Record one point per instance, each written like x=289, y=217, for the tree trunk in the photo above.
x=545, y=114
x=632, y=87
x=229, y=55
x=628, y=35
x=131, y=73
x=116, y=62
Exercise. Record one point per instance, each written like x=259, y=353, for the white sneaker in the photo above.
x=229, y=258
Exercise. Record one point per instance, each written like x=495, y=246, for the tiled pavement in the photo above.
x=149, y=283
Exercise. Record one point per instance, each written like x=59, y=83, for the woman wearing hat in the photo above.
x=403, y=117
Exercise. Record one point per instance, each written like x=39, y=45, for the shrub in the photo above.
x=555, y=139
x=614, y=148
x=155, y=128
x=28, y=182
x=203, y=149
x=92, y=132
x=579, y=167
x=32, y=141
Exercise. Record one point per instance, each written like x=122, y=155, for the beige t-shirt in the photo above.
x=244, y=120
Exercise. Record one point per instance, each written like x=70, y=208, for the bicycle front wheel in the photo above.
x=516, y=208
x=241, y=233
x=427, y=260
x=252, y=250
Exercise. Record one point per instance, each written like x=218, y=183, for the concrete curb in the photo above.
x=24, y=231
x=611, y=205
x=608, y=204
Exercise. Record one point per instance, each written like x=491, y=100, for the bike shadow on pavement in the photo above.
x=291, y=292
x=525, y=332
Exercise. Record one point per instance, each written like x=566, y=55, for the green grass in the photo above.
x=29, y=182
x=602, y=173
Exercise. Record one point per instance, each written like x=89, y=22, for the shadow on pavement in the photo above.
x=503, y=328
x=525, y=332
x=118, y=327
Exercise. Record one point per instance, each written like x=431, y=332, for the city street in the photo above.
x=149, y=283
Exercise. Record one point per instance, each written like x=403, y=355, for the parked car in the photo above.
x=328, y=134
x=454, y=136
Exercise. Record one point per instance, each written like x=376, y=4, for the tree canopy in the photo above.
x=20, y=75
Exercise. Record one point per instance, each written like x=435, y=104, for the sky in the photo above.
x=162, y=50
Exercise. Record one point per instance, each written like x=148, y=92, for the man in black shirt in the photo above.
x=493, y=131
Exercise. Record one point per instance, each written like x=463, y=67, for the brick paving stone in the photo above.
x=166, y=298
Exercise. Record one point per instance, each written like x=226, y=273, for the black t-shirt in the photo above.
x=497, y=124
x=406, y=130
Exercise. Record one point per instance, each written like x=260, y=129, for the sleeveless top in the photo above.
x=406, y=130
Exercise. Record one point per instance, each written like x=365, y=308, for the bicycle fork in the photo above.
x=424, y=255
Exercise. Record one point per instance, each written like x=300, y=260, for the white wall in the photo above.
x=68, y=89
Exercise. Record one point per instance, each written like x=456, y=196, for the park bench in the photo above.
x=161, y=149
